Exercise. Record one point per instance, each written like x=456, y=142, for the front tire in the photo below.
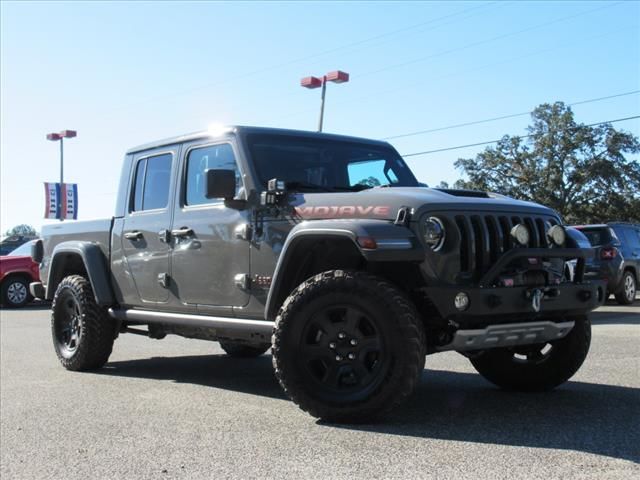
x=239, y=350
x=15, y=292
x=348, y=346
x=540, y=367
x=83, y=333
x=627, y=293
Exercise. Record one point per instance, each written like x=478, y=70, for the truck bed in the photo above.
x=95, y=231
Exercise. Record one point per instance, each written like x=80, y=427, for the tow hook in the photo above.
x=537, y=294
x=536, y=299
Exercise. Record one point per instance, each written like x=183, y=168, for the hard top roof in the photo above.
x=223, y=132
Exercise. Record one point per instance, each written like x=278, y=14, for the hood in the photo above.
x=17, y=260
x=384, y=203
x=10, y=264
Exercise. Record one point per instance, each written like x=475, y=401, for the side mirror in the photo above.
x=37, y=251
x=221, y=184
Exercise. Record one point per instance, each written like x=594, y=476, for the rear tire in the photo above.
x=239, y=350
x=627, y=293
x=15, y=292
x=539, y=367
x=83, y=333
x=348, y=346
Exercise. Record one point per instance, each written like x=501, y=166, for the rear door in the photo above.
x=208, y=257
x=144, y=242
x=632, y=234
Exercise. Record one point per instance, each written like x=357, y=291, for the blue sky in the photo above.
x=124, y=73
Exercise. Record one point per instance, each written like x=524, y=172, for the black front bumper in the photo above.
x=487, y=302
x=517, y=302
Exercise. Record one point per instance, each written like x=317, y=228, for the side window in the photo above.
x=371, y=173
x=218, y=157
x=152, y=183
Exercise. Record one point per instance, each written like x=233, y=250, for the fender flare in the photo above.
x=23, y=272
x=94, y=263
x=393, y=243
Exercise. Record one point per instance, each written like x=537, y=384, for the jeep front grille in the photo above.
x=484, y=238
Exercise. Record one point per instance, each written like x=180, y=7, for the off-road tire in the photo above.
x=6, y=291
x=625, y=296
x=394, y=315
x=97, y=329
x=239, y=350
x=501, y=367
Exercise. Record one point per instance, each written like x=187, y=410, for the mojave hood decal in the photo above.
x=384, y=203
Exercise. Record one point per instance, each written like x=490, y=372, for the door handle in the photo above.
x=135, y=235
x=164, y=236
x=182, y=232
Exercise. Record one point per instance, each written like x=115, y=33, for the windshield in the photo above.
x=307, y=163
x=23, y=250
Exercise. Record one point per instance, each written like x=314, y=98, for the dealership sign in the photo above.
x=61, y=200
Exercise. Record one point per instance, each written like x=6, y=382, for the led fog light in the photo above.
x=461, y=301
x=557, y=235
x=521, y=234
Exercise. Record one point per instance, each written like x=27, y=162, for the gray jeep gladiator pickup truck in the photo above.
x=327, y=250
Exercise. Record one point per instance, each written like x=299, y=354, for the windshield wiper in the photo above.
x=353, y=188
x=335, y=188
x=308, y=186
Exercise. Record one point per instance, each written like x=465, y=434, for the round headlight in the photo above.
x=521, y=234
x=557, y=235
x=434, y=233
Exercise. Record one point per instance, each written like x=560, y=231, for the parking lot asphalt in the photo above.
x=178, y=408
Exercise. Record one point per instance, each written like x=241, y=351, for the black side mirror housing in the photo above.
x=37, y=251
x=221, y=184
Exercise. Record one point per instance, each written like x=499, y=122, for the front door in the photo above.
x=145, y=249
x=208, y=258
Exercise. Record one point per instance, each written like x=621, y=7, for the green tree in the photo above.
x=578, y=170
x=369, y=182
x=25, y=230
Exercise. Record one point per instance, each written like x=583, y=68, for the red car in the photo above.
x=17, y=271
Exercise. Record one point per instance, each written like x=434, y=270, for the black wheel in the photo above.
x=83, y=333
x=240, y=350
x=627, y=293
x=540, y=367
x=15, y=292
x=348, y=346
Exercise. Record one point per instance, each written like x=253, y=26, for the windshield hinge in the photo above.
x=403, y=217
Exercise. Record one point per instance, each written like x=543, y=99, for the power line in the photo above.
x=503, y=117
x=485, y=41
x=272, y=67
x=458, y=147
x=465, y=71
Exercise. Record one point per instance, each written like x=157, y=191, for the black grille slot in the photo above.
x=484, y=238
x=496, y=245
x=542, y=232
x=507, y=241
x=466, y=251
x=533, y=232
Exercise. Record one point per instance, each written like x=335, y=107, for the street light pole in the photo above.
x=61, y=160
x=315, y=82
x=54, y=137
x=324, y=91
